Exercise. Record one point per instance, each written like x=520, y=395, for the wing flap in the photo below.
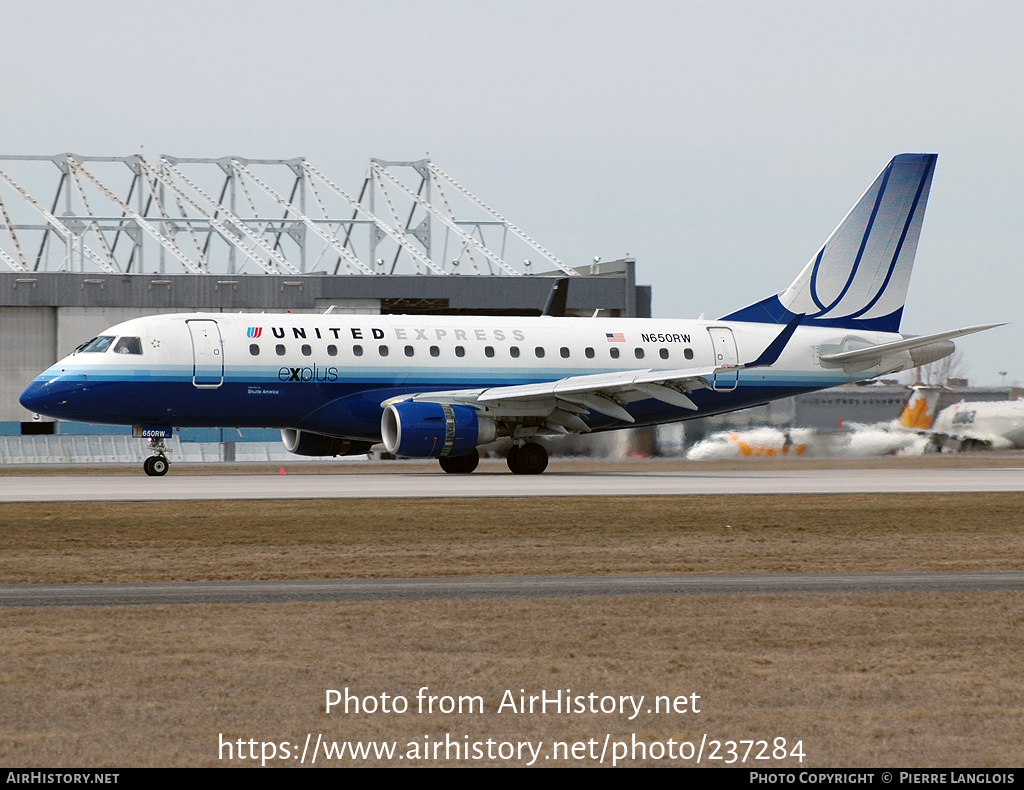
x=598, y=382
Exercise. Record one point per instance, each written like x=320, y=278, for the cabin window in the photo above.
x=613, y=352
x=513, y=352
x=435, y=351
x=589, y=352
x=128, y=345
x=254, y=349
x=688, y=353
x=409, y=351
x=382, y=350
x=97, y=344
x=638, y=353
x=306, y=350
x=663, y=353
x=460, y=351
x=488, y=351
x=357, y=350
x=539, y=351
x=332, y=351
x=564, y=352
x=280, y=349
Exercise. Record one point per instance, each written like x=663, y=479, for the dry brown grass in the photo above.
x=863, y=680
x=98, y=542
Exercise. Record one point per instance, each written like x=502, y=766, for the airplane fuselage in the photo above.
x=998, y=424
x=331, y=373
x=441, y=387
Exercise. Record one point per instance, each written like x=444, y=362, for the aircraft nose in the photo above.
x=36, y=397
x=48, y=395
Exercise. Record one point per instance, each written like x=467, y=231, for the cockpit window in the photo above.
x=97, y=344
x=128, y=345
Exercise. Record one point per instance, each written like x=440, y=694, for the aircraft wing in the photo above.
x=561, y=403
x=962, y=437
x=605, y=392
x=961, y=440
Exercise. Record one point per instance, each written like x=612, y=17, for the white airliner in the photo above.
x=904, y=436
x=439, y=387
x=995, y=425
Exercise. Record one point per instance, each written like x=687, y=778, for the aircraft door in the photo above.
x=725, y=354
x=207, y=353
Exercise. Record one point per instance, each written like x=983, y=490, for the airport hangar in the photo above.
x=88, y=242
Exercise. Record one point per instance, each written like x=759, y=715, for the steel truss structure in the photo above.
x=233, y=215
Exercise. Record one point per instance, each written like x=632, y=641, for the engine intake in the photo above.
x=434, y=430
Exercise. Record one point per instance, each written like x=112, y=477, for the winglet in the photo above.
x=555, y=305
x=774, y=350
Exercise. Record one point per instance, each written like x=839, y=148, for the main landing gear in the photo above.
x=530, y=459
x=156, y=465
x=460, y=464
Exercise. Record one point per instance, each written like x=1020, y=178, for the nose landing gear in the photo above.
x=156, y=465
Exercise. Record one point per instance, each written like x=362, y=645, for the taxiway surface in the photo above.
x=279, y=591
x=183, y=486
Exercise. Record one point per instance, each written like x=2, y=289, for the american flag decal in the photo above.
x=254, y=331
x=615, y=337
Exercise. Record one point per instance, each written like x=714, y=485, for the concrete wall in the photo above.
x=28, y=336
x=832, y=409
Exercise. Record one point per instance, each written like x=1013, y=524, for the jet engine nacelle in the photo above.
x=306, y=443
x=434, y=430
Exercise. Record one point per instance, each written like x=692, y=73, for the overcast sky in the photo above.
x=717, y=142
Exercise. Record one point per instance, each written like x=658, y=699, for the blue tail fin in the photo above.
x=859, y=278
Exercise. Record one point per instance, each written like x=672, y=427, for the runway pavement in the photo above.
x=494, y=481
x=134, y=594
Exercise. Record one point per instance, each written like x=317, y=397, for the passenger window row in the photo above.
x=460, y=351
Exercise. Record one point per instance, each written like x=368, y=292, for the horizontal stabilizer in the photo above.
x=876, y=353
